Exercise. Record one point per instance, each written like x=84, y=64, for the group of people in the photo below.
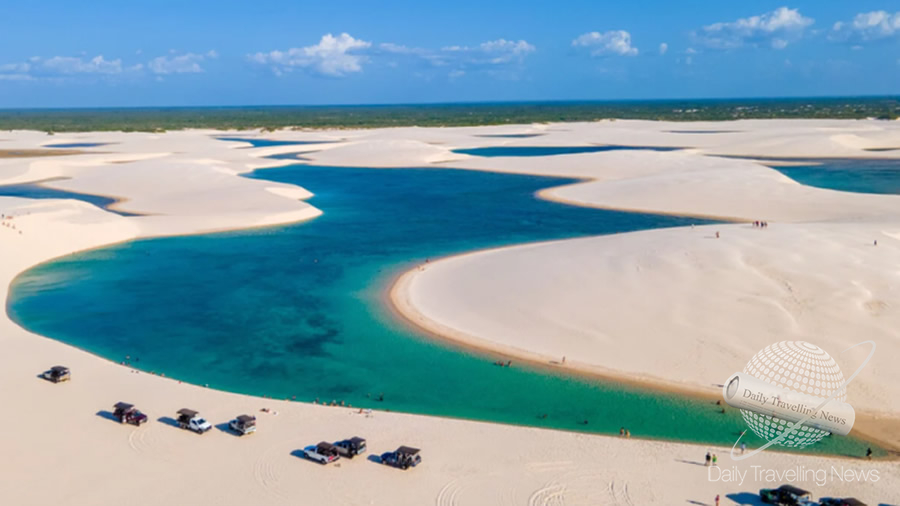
x=333, y=402
x=623, y=432
x=6, y=221
x=342, y=404
x=711, y=459
x=760, y=224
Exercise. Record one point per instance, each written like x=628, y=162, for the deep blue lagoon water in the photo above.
x=37, y=191
x=853, y=175
x=300, y=311
x=261, y=143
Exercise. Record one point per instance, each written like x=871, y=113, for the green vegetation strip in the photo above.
x=435, y=115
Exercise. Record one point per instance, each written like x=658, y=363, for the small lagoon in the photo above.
x=38, y=191
x=880, y=176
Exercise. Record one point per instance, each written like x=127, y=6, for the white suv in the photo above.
x=323, y=453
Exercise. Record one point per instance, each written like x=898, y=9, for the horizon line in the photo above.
x=463, y=103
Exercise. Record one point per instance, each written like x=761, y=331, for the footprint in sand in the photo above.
x=875, y=307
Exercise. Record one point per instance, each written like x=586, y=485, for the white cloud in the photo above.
x=6, y=75
x=15, y=68
x=497, y=57
x=332, y=56
x=867, y=26
x=77, y=65
x=617, y=42
x=663, y=48
x=187, y=63
x=390, y=47
x=434, y=57
x=503, y=51
x=777, y=29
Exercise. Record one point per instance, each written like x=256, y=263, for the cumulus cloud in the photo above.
x=663, y=48
x=494, y=52
x=390, y=47
x=867, y=26
x=80, y=68
x=501, y=58
x=15, y=68
x=613, y=42
x=776, y=29
x=77, y=65
x=15, y=72
x=187, y=63
x=332, y=56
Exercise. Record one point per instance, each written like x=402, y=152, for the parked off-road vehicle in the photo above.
x=57, y=374
x=127, y=413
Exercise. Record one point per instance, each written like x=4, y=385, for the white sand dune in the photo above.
x=679, y=305
x=62, y=448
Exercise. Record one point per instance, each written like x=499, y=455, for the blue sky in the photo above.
x=138, y=53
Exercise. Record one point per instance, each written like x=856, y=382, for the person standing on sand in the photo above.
x=869, y=454
x=715, y=460
x=717, y=234
x=708, y=459
x=717, y=499
x=743, y=448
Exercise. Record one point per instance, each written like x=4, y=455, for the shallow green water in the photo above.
x=299, y=311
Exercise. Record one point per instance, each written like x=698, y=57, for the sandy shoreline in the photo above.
x=62, y=425
x=870, y=426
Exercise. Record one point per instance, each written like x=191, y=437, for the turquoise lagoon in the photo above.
x=300, y=311
x=881, y=176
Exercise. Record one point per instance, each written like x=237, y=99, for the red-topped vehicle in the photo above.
x=127, y=413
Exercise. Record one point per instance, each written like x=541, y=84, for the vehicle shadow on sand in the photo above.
x=745, y=498
x=168, y=420
x=374, y=458
x=107, y=415
x=226, y=428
